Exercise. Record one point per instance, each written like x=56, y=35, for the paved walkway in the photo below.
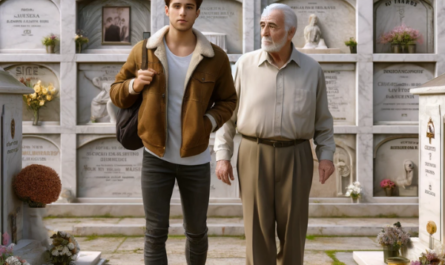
x=226, y=250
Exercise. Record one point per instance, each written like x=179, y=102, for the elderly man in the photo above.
x=282, y=103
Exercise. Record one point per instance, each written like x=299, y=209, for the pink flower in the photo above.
x=6, y=239
x=387, y=183
x=2, y=250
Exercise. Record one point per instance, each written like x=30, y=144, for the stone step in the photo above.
x=316, y=210
x=225, y=226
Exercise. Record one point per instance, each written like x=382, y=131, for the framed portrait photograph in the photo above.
x=116, y=26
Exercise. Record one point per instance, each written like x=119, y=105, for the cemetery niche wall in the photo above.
x=113, y=24
x=24, y=23
x=415, y=14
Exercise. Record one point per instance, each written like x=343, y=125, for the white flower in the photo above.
x=69, y=254
x=357, y=184
x=13, y=261
x=62, y=234
x=55, y=253
x=71, y=246
x=65, y=250
x=348, y=193
x=74, y=257
x=60, y=247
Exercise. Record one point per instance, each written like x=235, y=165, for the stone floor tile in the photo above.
x=342, y=243
x=345, y=257
x=316, y=258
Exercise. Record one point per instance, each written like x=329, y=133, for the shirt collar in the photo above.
x=293, y=57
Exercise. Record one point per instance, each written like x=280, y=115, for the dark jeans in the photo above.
x=158, y=179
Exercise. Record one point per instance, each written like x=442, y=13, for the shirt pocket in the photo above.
x=201, y=88
x=302, y=101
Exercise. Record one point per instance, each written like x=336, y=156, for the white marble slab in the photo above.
x=368, y=257
x=24, y=23
x=42, y=150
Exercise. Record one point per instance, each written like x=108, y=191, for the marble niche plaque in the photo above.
x=345, y=173
x=89, y=91
x=107, y=170
x=48, y=74
x=336, y=20
x=42, y=150
x=24, y=23
x=222, y=17
x=431, y=179
x=89, y=17
x=416, y=14
x=393, y=103
x=340, y=85
x=393, y=156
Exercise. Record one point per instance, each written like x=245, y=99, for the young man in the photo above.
x=282, y=104
x=187, y=92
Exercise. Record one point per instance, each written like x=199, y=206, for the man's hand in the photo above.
x=224, y=171
x=144, y=78
x=325, y=170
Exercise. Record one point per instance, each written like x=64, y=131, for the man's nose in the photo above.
x=182, y=11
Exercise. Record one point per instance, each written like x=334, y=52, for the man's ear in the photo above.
x=198, y=12
x=166, y=10
x=291, y=33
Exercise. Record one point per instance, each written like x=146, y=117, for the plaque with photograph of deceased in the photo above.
x=42, y=150
x=105, y=169
x=393, y=103
x=116, y=25
x=94, y=105
x=417, y=15
x=396, y=158
x=113, y=25
x=336, y=20
x=23, y=24
x=48, y=75
x=344, y=174
x=340, y=86
x=222, y=23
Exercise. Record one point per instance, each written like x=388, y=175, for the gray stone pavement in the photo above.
x=226, y=250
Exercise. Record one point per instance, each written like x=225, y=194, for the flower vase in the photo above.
x=388, y=191
x=33, y=204
x=411, y=48
x=355, y=200
x=353, y=49
x=404, y=251
x=395, y=48
x=403, y=48
x=79, y=47
x=35, y=121
x=50, y=48
x=390, y=252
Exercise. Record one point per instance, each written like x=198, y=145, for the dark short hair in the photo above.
x=198, y=3
x=109, y=19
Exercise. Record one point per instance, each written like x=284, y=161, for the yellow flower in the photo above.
x=49, y=97
x=51, y=88
x=37, y=87
x=29, y=103
x=44, y=90
x=29, y=100
x=33, y=96
x=77, y=36
x=42, y=102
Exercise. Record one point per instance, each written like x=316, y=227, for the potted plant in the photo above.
x=39, y=98
x=394, y=39
x=80, y=40
x=352, y=44
x=37, y=185
x=14, y=260
x=388, y=186
x=354, y=191
x=393, y=239
x=50, y=43
x=64, y=249
x=429, y=258
x=403, y=39
x=5, y=249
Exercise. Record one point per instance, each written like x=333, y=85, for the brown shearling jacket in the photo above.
x=209, y=89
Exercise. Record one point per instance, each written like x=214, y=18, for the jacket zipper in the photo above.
x=166, y=110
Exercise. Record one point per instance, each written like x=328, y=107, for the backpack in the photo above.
x=127, y=119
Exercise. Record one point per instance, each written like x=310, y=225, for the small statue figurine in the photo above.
x=406, y=180
x=101, y=105
x=312, y=35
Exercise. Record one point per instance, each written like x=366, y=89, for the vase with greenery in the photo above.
x=50, y=42
x=80, y=40
x=402, y=39
x=37, y=185
x=392, y=239
x=352, y=44
x=40, y=98
x=354, y=192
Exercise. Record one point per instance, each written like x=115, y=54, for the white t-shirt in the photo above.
x=177, y=68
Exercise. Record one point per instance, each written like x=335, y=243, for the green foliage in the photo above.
x=351, y=42
x=50, y=40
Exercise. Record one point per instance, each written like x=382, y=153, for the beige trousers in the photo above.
x=275, y=185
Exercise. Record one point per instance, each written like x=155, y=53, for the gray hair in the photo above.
x=290, y=18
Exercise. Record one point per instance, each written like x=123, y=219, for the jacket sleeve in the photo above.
x=324, y=123
x=224, y=96
x=120, y=91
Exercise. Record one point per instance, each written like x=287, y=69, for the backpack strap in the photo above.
x=144, y=65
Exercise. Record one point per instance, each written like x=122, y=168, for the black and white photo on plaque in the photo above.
x=116, y=26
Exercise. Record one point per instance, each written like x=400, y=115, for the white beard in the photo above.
x=272, y=46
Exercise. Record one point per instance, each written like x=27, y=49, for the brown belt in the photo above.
x=274, y=143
